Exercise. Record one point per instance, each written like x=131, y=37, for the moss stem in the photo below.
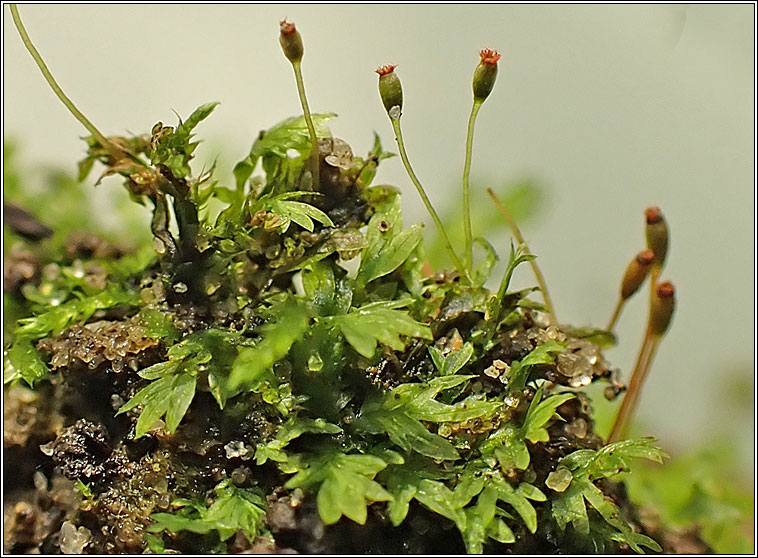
x=535, y=267
x=616, y=314
x=91, y=128
x=404, y=156
x=629, y=404
x=308, y=121
x=468, y=254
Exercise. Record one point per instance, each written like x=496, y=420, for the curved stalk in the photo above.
x=615, y=316
x=468, y=254
x=629, y=404
x=404, y=156
x=308, y=122
x=520, y=239
x=91, y=128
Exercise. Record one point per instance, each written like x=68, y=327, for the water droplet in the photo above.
x=236, y=449
x=444, y=430
x=492, y=371
x=116, y=402
x=577, y=428
x=580, y=381
x=159, y=246
x=73, y=540
x=511, y=401
x=40, y=480
x=315, y=363
x=180, y=288
x=47, y=448
x=78, y=269
x=559, y=480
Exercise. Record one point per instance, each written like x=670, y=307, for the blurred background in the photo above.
x=598, y=113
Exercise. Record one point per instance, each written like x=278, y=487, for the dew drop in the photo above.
x=180, y=287
x=559, y=480
x=47, y=448
x=511, y=401
x=159, y=246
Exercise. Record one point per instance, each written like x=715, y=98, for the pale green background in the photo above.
x=614, y=108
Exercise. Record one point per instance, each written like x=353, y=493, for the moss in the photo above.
x=288, y=373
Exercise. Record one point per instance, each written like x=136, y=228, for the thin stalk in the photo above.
x=616, y=314
x=535, y=267
x=629, y=404
x=308, y=121
x=468, y=254
x=404, y=156
x=102, y=140
x=655, y=272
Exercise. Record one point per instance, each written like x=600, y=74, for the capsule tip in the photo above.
x=489, y=56
x=645, y=257
x=653, y=215
x=286, y=27
x=665, y=290
x=385, y=70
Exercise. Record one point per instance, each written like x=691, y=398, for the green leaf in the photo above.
x=407, y=432
x=346, y=485
x=291, y=133
x=588, y=465
x=22, y=360
x=484, y=269
x=173, y=148
x=454, y=361
x=613, y=458
x=327, y=295
x=399, y=415
x=508, y=443
x=253, y=365
x=60, y=317
x=480, y=521
x=518, y=375
x=272, y=147
x=404, y=482
x=517, y=257
x=169, y=396
x=596, y=336
x=374, y=323
x=388, y=245
x=289, y=211
x=544, y=354
x=417, y=399
x=293, y=428
x=391, y=255
x=438, y=498
x=158, y=325
x=540, y=413
x=233, y=509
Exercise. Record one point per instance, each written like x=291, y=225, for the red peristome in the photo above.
x=489, y=56
x=286, y=27
x=384, y=70
x=653, y=215
x=645, y=257
x=665, y=290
